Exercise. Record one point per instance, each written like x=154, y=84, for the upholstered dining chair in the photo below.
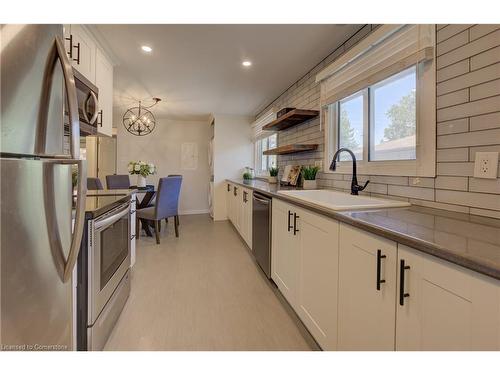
x=93, y=183
x=166, y=205
x=118, y=181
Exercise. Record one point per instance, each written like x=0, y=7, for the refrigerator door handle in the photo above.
x=58, y=52
x=96, y=106
x=64, y=266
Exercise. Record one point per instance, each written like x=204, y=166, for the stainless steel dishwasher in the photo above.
x=261, y=228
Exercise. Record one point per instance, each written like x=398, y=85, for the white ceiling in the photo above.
x=196, y=69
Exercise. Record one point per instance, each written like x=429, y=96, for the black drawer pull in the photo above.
x=379, y=266
x=295, y=217
x=245, y=200
x=228, y=187
x=235, y=189
x=402, y=294
x=289, y=225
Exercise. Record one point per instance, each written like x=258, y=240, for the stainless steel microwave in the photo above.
x=88, y=105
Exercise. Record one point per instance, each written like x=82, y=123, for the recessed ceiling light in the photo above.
x=146, y=48
x=246, y=63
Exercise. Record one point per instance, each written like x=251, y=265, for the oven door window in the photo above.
x=114, y=248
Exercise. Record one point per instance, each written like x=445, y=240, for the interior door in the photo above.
x=366, y=309
x=36, y=306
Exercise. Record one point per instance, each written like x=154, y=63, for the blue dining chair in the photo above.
x=166, y=205
x=118, y=181
x=93, y=183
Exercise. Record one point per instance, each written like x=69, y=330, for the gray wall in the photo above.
x=468, y=120
x=163, y=148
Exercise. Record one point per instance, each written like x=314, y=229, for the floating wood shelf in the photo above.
x=292, y=118
x=291, y=149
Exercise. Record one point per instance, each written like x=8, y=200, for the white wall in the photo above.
x=163, y=148
x=233, y=151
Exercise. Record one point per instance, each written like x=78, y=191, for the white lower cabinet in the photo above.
x=133, y=205
x=284, y=251
x=239, y=210
x=305, y=266
x=354, y=290
x=367, y=291
x=441, y=306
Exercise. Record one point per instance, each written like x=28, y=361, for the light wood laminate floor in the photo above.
x=203, y=291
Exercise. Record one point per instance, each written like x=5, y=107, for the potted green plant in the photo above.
x=273, y=175
x=309, y=174
x=247, y=176
x=142, y=170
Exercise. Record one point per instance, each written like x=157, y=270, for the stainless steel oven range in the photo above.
x=103, y=277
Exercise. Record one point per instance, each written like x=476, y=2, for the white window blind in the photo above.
x=388, y=50
x=257, y=132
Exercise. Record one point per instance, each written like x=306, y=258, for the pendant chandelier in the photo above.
x=140, y=120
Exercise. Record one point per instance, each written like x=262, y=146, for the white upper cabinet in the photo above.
x=82, y=51
x=441, y=306
x=104, y=81
x=367, y=291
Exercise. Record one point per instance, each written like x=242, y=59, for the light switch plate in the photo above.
x=486, y=165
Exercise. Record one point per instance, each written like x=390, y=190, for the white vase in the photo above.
x=310, y=185
x=272, y=179
x=141, y=181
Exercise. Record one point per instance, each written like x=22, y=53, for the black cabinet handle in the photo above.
x=100, y=122
x=379, y=266
x=78, y=53
x=289, y=226
x=245, y=200
x=228, y=187
x=70, y=52
x=234, y=191
x=295, y=217
x=402, y=294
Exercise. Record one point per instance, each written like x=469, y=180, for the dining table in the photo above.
x=149, y=192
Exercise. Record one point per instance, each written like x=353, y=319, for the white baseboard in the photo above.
x=194, y=212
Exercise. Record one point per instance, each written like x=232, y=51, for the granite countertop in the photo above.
x=105, y=192
x=467, y=240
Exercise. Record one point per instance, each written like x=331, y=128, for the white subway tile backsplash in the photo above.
x=476, y=138
x=453, y=70
x=411, y=192
x=453, y=98
x=453, y=42
x=484, y=185
x=453, y=126
x=452, y=183
x=478, y=31
x=468, y=121
x=449, y=31
x=469, y=79
x=478, y=200
x=455, y=169
x=486, y=58
x=488, y=121
x=453, y=154
x=485, y=90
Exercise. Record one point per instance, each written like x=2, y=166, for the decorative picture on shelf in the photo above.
x=291, y=175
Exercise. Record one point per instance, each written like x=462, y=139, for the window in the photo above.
x=264, y=162
x=350, y=125
x=393, y=117
x=379, y=98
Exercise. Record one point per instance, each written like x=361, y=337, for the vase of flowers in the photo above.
x=142, y=170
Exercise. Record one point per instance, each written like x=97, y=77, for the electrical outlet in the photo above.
x=486, y=165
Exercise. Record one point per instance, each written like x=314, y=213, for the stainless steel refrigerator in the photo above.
x=39, y=243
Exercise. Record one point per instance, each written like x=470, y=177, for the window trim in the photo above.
x=425, y=163
x=258, y=155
